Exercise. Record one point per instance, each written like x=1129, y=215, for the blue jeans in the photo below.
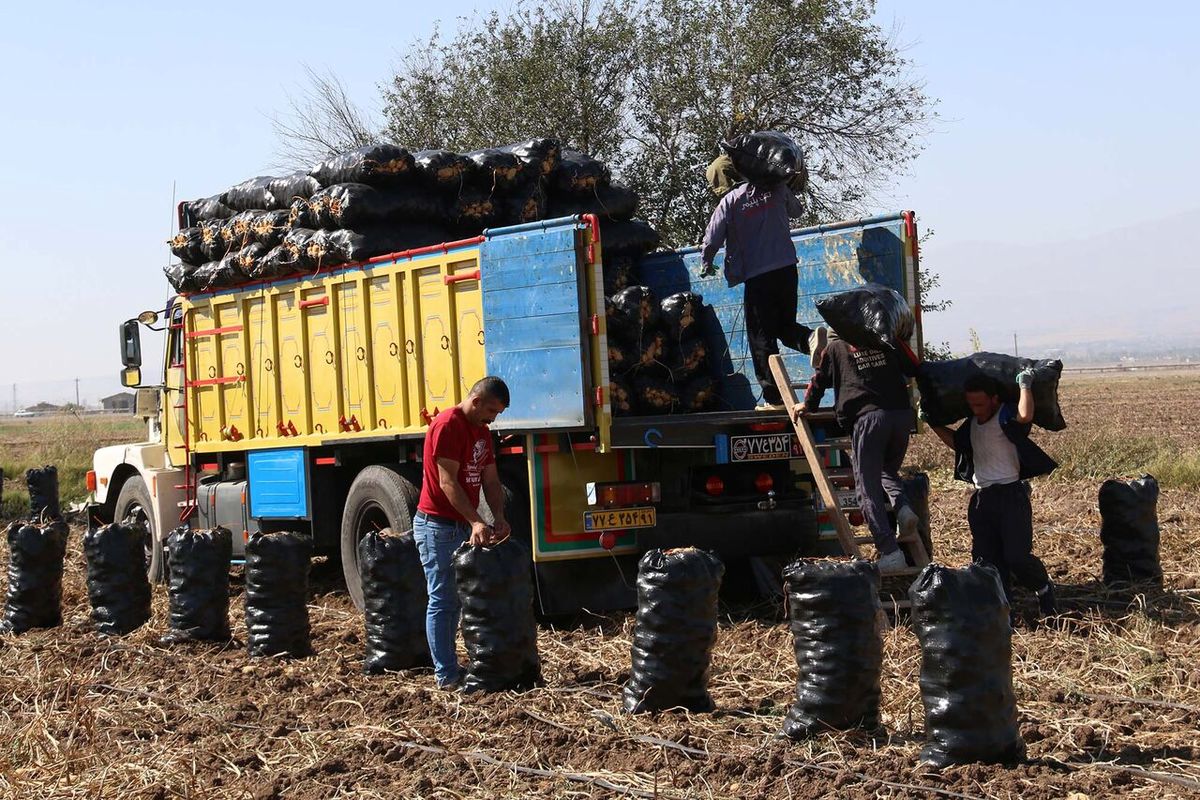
x=437, y=538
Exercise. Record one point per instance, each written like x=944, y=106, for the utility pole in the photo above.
x=77, y=391
x=1016, y=352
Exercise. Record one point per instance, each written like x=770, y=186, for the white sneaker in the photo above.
x=770, y=408
x=908, y=522
x=892, y=562
x=817, y=340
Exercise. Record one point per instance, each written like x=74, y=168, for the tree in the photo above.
x=321, y=122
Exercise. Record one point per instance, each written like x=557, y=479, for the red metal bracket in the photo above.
x=595, y=324
x=320, y=301
x=462, y=276
x=593, y=223
x=599, y=396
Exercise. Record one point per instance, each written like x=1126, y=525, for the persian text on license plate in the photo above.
x=619, y=519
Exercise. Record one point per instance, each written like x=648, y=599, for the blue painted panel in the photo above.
x=278, y=482
x=830, y=261
x=534, y=322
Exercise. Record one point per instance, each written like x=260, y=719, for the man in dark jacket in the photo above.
x=872, y=402
x=753, y=224
x=993, y=451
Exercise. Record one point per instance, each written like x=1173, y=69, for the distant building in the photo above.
x=44, y=408
x=122, y=401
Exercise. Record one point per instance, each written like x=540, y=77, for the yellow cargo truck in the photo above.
x=302, y=403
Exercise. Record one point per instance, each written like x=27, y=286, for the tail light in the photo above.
x=714, y=486
x=91, y=480
x=623, y=494
x=764, y=483
x=856, y=517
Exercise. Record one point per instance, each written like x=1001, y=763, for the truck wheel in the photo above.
x=378, y=499
x=133, y=502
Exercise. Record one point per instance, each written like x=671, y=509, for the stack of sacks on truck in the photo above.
x=383, y=198
x=657, y=354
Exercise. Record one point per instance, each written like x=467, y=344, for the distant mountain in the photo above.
x=1138, y=284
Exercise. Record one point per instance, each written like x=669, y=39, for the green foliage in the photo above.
x=652, y=86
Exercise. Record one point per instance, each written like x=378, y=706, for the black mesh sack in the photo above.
x=394, y=601
x=277, y=262
x=655, y=395
x=240, y=229
x=674, y=631
x=475, y=209
x=1129, y=531
x=116, y=577
x=699, y=394
x=246, y=259
x=208, y=208
x=216, y=275
x=198, y=584
x=499, y=630
x=632, y=311
x=304, y=213
x=620, y=272
x=635, y=237
x=765, y=158
x=35, y=568
x=613, y=201
x=680, y=313
x=277, y=593
x=579, y=174
x=525, y=203
x=181, y=277
x=543, y=155
x=295, y=244
x=443, y=169
x=621, y=397
x=650, y=352
x=269, y=227
x=42, y=483
x=356, y=205
x=870, y=317
x=375, y=164
x=231, y=239
x=496, y=168
x=944, y=403
x=288, y=188
x=187, y=246
x=250, y=194
x=686, y=358
x=834, y=610
x=213, y=246
x=961, y=619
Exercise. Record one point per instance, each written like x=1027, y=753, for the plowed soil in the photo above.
x=1109, y=699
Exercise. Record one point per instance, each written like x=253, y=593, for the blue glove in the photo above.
x=1025, y=379
x=708, y=270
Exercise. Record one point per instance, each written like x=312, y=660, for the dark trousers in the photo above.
x=878, y=443
x=1001, y=520
x=770, y=303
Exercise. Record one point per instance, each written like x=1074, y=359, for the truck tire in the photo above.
x=379, y=498
x=134, y=501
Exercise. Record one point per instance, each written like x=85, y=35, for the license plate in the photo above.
x=763, y=447
x=617, y=519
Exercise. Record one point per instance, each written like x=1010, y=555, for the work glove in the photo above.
x=708, y=270
x=1025, y=379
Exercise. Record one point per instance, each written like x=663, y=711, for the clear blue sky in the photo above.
x=1059, y=122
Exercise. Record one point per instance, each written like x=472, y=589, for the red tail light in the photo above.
x=91, y=480
x=623, y=494
x=856, y=518
x=764, y=483
x=714, y=486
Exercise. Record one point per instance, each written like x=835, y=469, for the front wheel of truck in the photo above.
x=133, y=503
x=379, y=498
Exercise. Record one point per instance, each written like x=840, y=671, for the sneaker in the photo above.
x=1046, y=603
x=817, y=340
x=908, y=522
x=452, y=685
x=766, y=407
x=892, y=561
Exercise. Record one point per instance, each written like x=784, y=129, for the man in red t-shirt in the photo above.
x=458, y=464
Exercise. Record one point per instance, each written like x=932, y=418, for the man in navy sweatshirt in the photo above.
x=752, y=223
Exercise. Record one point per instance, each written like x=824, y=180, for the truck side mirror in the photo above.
x=131, y=377
x=131, y=344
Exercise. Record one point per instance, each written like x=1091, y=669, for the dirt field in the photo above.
x=1109, y=694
